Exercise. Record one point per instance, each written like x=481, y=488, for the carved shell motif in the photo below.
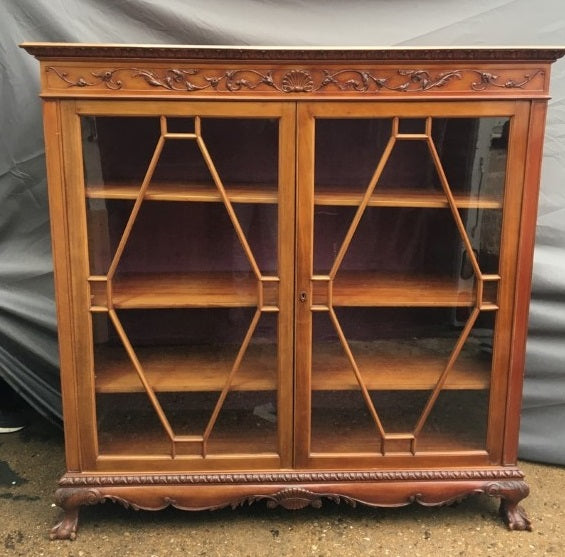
x=297, y=81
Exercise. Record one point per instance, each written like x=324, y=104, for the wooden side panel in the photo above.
x=77, y=253
x=532, y=159
x=503, y=348
x=62, y=141
x=62, y=269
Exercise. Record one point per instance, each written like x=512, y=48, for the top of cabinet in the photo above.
x=291, y=53
x=99, y=70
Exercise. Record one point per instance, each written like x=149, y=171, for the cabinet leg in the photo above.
x=70, y=500
x=511, y=493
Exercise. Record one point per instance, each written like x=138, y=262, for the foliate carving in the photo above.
x=174, y=80
x=282, y=477
x=106, y=77
x=487, y=79
x=291, y=81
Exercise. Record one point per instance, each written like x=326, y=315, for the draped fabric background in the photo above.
x=28, y=345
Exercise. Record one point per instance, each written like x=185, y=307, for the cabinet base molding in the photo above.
x=211, y=492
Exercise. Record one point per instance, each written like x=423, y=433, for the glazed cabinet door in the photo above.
x=408, y=226
x=184, y=281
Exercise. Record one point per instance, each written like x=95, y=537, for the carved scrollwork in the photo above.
x=511, y=493
x=298, y=80
x=510, y=489
x=174, y=79
x=293, y=81
x=106, y=77
x=487, y=79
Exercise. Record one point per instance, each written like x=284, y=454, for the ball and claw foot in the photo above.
x=67, y=528
x=514, y=516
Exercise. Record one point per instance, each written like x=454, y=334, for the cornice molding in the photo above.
x=180, y=52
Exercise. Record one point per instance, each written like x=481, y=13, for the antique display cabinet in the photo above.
x=290, y=275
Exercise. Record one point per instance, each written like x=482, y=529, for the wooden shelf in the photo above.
x=205, y=368
x=401, y=197
x=342, y=424
x=398, y=290
x=134, y=429
x=178, y=369
x=176, y=191
x=196, y=290
x=408, y=366
x=225, y=289
x=350, y=439
x=262, y=193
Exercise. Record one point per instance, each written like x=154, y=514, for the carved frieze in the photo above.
x=293, y=81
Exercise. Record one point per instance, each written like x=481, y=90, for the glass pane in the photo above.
x=411, y=278
x=117, y=152
x=174, y=365
x=183, y=250
x=473, y=153
x=341, y=419
x=244, y=151
x=347, y=152
x=117, y=149
x=405, y=357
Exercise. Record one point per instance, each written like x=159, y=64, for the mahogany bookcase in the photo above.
x=290, y=275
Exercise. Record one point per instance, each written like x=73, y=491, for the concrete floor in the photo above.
x=32, y=460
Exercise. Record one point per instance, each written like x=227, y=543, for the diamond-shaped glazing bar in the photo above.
x=229, y=208
x=427, y=137
x=142, y=377
x=197, y=136
x=136, y=207
x=235, y=368
x=443, y=377
x=358, y=377
x=453, y=207
x=363, y=205
x=335, y=267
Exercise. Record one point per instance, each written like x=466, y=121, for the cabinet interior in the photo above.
x=183, y=225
